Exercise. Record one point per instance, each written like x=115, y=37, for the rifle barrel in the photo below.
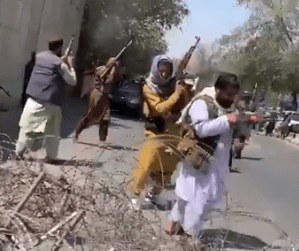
x=68, y=49
x=116, y=58
x=122, y=51
x=184, y=62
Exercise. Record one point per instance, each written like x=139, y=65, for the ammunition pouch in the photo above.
x=196, y=151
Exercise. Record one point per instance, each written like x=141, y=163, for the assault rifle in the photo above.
x=179, y=74
x=105, y=74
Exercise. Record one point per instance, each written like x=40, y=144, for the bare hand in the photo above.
x=232, y=118
x=111, y=62
x=64, y=58
x=180, y=87
x=255, y=118
x=70, y=61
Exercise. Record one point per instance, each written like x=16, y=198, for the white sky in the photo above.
x=209, y=20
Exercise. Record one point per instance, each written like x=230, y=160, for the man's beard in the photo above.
x=59, y=54
x=228, y=105
x=225, y=104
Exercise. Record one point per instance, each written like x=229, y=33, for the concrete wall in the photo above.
x=25, y=26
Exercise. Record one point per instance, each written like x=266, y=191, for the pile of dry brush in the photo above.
x=40, y=212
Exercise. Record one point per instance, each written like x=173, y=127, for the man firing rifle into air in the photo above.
x=98, y=111
x=164, y=96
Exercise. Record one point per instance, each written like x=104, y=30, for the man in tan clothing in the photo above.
x=98, y=111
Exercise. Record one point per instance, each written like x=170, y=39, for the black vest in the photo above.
x=198, y=152
x=46, y=83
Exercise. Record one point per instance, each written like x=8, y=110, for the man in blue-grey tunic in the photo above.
x=42, y=114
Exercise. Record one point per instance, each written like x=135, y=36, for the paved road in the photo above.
x=125, y=137
x=268, y=182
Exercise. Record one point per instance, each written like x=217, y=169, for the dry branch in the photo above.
x=30, y=192
x=54, y=229
x=71, y=228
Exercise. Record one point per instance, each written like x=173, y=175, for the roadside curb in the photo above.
x=293, y=138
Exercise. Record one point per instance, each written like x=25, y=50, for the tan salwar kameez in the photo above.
x=98, y=112
x=156, y=161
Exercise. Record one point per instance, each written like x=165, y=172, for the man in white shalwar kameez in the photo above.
x=200, y=190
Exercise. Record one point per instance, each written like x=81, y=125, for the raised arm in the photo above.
x=69, y=75
x=159, y=106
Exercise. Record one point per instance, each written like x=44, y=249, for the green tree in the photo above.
x=273, y=63
x=109, y=24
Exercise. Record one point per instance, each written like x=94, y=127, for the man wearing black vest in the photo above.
x=41, y=117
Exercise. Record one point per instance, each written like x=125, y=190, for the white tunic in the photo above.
x=198, y=191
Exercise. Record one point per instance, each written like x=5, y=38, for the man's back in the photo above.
x=46, y=82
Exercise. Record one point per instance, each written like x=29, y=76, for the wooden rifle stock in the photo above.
x=184, y=62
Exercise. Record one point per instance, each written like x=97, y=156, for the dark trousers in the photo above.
x=98, y=113
x=103, y=130
x=86, y=121
x=230, y=158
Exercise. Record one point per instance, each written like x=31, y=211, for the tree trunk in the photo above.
x=295, y=102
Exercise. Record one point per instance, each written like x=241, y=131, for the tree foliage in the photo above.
x=273, y=63
x=109, y=24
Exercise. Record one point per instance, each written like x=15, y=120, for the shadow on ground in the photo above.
x=73, y=110
x=69, y=162
x=109, y=147
x=234, y=170
x=9, y=122
x=251, y=158
x=231, y=239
